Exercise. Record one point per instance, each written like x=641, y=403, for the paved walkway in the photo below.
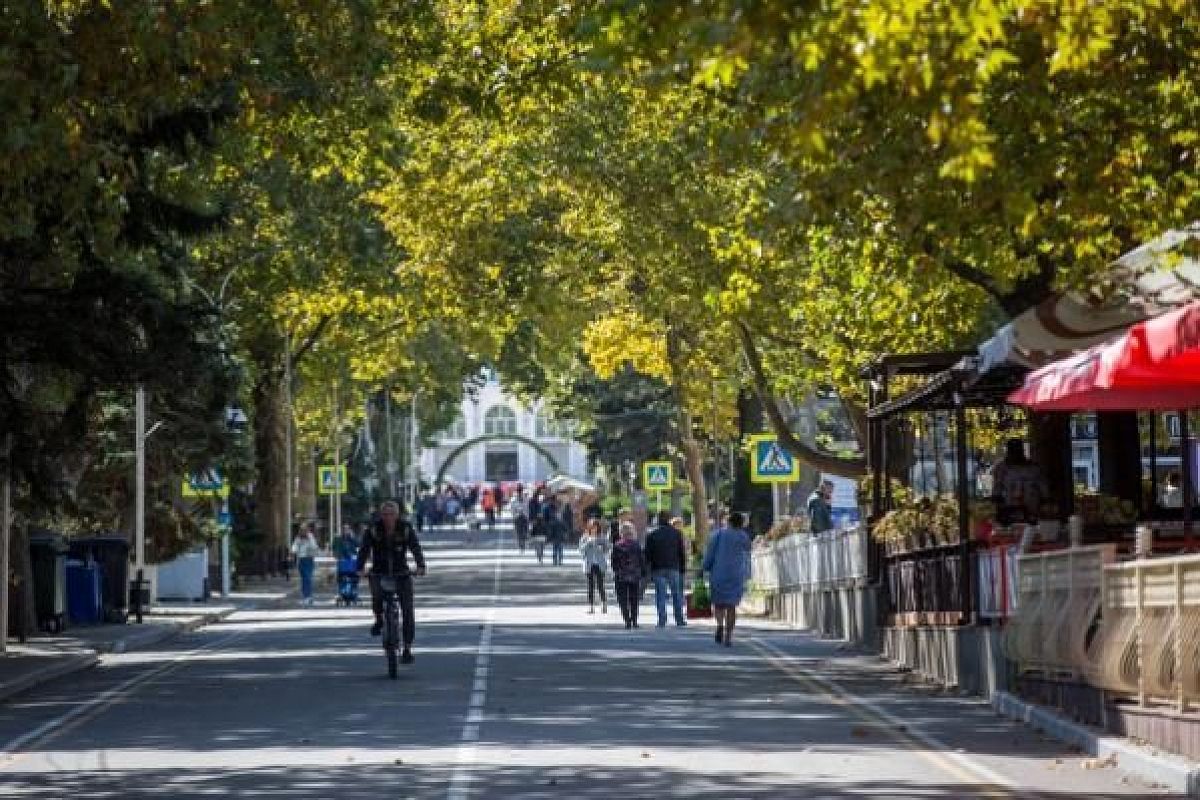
x=517, y=692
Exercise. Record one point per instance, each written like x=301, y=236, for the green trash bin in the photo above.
x=48, y=557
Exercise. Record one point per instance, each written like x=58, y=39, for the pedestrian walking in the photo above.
x=520, y=525
x=538, y=539
x=488, y=504
x=594, y=548
x=556, y=534
x=666, y=556
x=629, y=570
x=727, y=562
x=306, y=549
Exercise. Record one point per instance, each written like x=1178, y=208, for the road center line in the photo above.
x=460, y=782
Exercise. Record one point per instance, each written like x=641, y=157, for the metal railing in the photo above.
x=1148, y=640
x=1058, y=594
x=798, y=562
x=925, y=587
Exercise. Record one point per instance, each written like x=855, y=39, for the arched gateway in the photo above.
x=494, y=437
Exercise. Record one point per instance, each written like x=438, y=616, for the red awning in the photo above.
x=1155, y=365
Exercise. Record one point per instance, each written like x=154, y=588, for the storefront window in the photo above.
x=1162, y=467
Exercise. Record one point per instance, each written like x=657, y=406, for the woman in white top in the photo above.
x=306, y=549
x=594, y=547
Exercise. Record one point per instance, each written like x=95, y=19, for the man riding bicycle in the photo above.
x=387, y=545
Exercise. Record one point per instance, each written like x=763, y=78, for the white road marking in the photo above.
x=51, y=728
x=460, y=782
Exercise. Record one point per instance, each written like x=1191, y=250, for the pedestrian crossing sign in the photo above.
x=769, y=462
x=658, y=476
x=208, y=483
x=331, y=479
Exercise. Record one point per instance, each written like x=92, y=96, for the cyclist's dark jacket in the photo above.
x=388, y=554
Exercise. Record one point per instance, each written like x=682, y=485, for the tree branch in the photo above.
x=313, y=336
x=825, y=462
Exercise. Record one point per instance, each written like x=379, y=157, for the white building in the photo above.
x=493, y=412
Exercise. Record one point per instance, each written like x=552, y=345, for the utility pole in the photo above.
x=288, y=442
x=139, y=501
x=5, y=540
x=716, y=495
x=414, y=473
x=390, y=466
x=335, y=501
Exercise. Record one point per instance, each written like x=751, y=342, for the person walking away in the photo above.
x=820, y=508
x=539, y=538
x=520, y=526
x=727, y=562
x=594, y=547
x=387, y=546
x=306, y=549
x=629, y=569
x=568, y=519
x=557, y=535
x=488, y=504
x=667, y=558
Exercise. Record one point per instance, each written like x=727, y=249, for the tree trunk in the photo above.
x=306, y=502
x=693, y=454
x=22, y=616
x=823, y=462
x=270, y=443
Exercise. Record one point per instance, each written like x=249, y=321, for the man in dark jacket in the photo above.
x=667, y=559
x=387, y=546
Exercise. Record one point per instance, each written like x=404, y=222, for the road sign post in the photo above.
x=770, y=463
x=331, y=479
x=657, y=476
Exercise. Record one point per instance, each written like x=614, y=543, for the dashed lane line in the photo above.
x=460, y=781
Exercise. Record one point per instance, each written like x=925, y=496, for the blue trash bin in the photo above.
x=85, y=604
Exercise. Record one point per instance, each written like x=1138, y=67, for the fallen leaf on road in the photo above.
x=1100, y=763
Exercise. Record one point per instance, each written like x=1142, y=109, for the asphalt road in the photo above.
x=516, y=692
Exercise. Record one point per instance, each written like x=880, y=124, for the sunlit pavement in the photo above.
x=516, y=692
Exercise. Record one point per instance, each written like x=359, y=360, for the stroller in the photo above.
x=347, y=582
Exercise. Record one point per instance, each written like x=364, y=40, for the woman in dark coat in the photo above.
x=629, y=570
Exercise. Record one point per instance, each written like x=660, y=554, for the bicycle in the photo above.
x=391, y=622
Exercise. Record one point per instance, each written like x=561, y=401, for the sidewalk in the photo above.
x=46, y=658
x=903, y=700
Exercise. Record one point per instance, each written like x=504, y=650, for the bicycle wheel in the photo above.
x=391, y=633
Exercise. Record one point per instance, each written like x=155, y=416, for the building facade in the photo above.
x=493, y=412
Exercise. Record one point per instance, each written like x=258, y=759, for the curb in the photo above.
x=64, y=665
x=1174, y=772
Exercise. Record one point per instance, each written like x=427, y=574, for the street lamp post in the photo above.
x=139, y=502
x=5, y=532
x=413, y=468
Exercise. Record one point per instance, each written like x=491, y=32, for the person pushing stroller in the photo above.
x=345, y=553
